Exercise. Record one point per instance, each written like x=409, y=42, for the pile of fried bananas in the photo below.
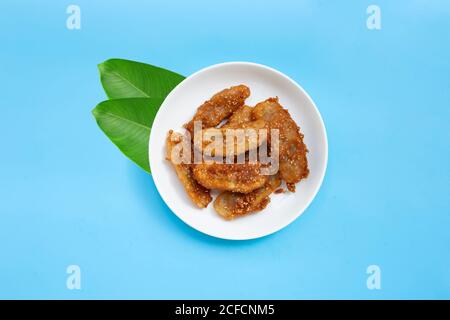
x=243, y=189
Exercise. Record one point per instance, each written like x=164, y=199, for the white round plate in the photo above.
x=264, y=82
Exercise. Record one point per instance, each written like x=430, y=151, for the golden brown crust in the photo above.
x=292, y=150
x=219, y=107
x=196, y=192
x=244, y=177
x=230, y=205
x=241, y=115
x=279, y=190
x=290, y=187
x=250, y=138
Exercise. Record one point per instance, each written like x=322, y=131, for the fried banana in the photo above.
x=241, y=115
x=196, y=192
x=243, y=178
x=219, y=107
x=292, y=150
x=230, y=205
x=232, y=140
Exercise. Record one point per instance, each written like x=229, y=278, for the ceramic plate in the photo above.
x=264, y=82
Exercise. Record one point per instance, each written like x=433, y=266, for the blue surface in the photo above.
x=68, y=196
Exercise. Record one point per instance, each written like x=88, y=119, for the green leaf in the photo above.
x=127, y=122
x=130, y=79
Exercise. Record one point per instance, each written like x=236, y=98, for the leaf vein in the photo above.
x=129, y=82
x=125, y=119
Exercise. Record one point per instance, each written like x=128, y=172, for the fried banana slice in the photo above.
x=243, y=178
x=230, y=205
x=241, y=115
x=219, y=107
x=292, y=150
x=196, y=192
x=229, y=141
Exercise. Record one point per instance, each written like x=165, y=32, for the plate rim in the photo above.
x=279, y=73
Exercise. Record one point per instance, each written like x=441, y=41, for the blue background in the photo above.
x=68, y=196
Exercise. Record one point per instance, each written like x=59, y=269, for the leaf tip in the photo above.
x=96, y=110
